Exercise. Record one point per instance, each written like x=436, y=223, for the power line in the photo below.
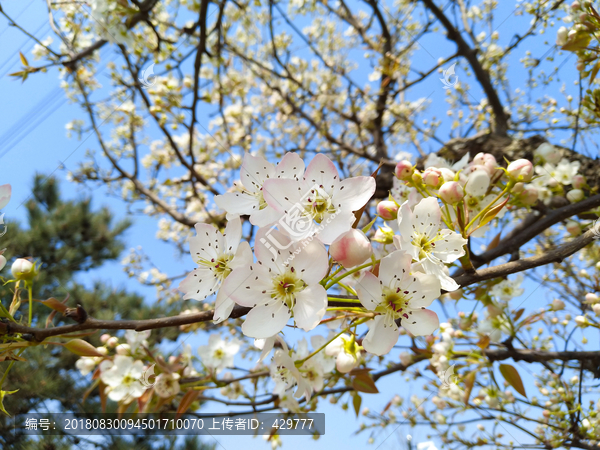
x=17, y=16
x=15, y=54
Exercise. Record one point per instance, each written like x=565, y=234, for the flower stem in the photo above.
x=350, y=272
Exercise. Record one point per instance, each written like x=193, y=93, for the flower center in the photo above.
x=128, y=379
x=219, y=266
x=318, y=203
x=424, y=244
x=286, y=286
x=395, y=302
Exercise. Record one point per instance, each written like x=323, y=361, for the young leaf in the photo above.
x=469, y=382
x=356, y=402
x=187, y=400
x=82, y=348
x=364, y=383
x=513, y=378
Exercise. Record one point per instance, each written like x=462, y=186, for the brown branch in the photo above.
x=483, y=77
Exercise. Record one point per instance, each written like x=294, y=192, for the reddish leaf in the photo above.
x=364, y=383
x=54, y=304
x=513, y=378
x=469, y=382
x=187, y=400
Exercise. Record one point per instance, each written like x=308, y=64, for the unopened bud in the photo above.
x=562, y=36
x=451, y=192
x=478, y=183
x=351, y=248
x=387, y=210
x=579, y=181
x=591, y=298
x=575, y=195
x=558, y=305
x=432, y=177
x=520, y=170
x=23, y=269
x=549, y=153
x=404, y=170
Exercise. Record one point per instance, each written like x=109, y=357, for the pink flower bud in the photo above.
x=123, y=349
x=529, y=196
x=549, y=153
x=432, y=177
x=112, y=341
x=575, y=6
x=387, y=210
x=451, y=192
x=404, y=170
x=23, y=269
x=573, y=228
x=579, y=181
x=575, y=195
x=351, y=248
x=520, y=170
x=104, y=338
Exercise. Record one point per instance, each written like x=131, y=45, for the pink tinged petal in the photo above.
x=311, y=263
x=337, y=226
x=394, y=267
x=310, y=307
x=237, y=203
x=5, y=193
x=382, y=336
x=255, y=171
x=427, y=216
x=429, y=289
x=449, y=246
x=233, y=235
x=290, y=166
x=265, y=216
x=354, y=193
x=283, y=194
x=223, y=307
x=245, y=286
x=369, y=291
x=266, y=321
x=243, y=256
x=207, y=244
x=322, y=172
x=199, y=284
x=437, y=269
x=421, y=322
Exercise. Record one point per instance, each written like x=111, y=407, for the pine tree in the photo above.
x=69, y=238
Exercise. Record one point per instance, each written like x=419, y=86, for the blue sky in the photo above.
x=39, y=144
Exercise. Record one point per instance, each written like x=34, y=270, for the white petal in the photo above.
x=322, y=172
x=405, y=222
x=437, y=269
x=382, y=336
x=449, y=246
x=223, y=307
x=354, y=193
x=255, y=171
x=427, y=216
x=245, y=285
x=421, y=322
x=429, y=290
x=333, y=228
x=199, y=284
x=369, y=291
x=310, y=307
x=243, y=256
x=5, y=193
x=282, y=193
x=266, y=321
x=208, y=242
x=311, y=262
x=290, y=166
x=237, y=203
x=264, y=217
x=233, y=235
x=272, y=248
x=394, y=266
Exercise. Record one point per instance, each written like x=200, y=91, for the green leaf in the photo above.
x=493, y=212
x=82, y=348
x=513, y=378
x=356, y=402
x=368, y=226
x=2, y=395
x=23, y=59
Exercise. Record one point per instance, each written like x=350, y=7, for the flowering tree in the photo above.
x=254, y=134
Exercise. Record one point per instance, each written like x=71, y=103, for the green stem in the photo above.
x=350, y=272
x=491, y=205
x=30, y=290
x=325, y=280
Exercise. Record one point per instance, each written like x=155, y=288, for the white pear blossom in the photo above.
x=508, y=289
x=135, y=339
x=397, y=294
x=320, y=196
x=216, y=254
x=122, y=376
x=254, y=172
x=233, y=389
x=421, y=236
x=282, y=284
x=218, y=353
x=86, y=364
x=167, y=385
x=346, y=352
x=286, y=375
